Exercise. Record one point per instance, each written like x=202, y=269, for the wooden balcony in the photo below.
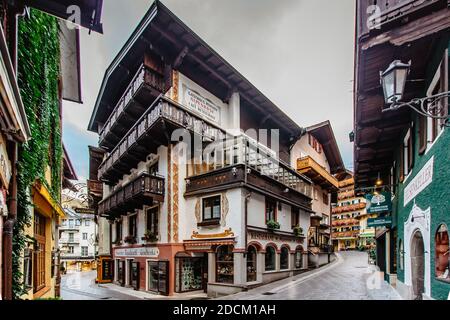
x=95, y=188
x=143, y=190
x=152, y=130
x=345, y=222
x=143, y=89
x=310, y=168
x=346, y=194
x=241, y=162
x=346, y=234
x=350, y=207
x=390, y=12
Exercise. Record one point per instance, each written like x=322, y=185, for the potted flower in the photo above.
x=273, y=225
x=130, y=239
x=150, y=236
x=298, y=231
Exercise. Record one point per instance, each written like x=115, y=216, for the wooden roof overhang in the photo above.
x=165, y=34
x=378, y=134
x=323, y=132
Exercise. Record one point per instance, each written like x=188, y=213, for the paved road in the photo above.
x=82, y=286
x=350, y=278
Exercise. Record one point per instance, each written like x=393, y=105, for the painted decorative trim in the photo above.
x=197, y=210
x=226, y=234
x=175, y=198
x=175, y=86
x=169, y=193
x=225, y=209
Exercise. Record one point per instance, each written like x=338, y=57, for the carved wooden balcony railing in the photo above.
x=346, y=194
x=350, y=207
x=143, y=190
x=95, y=188
x=142, y=91
x=241, y=163
x=310, y=168
x=346, y=234
x=379, y=14
x=153, y=129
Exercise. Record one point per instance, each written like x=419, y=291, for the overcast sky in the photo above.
x=299, y=53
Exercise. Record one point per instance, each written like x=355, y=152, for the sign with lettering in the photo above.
x=379, y=222
x=378, y=202
x=200, y=105
x=143, y=252
x=85, y=210
x=419, y=183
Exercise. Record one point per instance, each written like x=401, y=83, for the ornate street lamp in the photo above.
x=393, y=81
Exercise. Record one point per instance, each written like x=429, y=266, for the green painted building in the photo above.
x=401, y=151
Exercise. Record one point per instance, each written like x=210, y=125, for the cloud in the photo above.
x=297, y=52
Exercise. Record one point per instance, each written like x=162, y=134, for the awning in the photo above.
x=44, y=202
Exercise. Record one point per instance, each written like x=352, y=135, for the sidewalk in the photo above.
x=194, y=295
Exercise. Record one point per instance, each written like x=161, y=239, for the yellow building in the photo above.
x=41, y=257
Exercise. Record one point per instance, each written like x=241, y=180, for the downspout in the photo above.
x=8, y=228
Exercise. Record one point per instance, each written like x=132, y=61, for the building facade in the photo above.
x=407, y=151
x=316, y=155
x=78, y=241
x=182, y=211
x=350, y=229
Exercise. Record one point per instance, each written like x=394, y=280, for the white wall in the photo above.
x=302, y=149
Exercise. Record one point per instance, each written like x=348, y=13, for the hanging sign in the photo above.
x=200, y=105
x=376, y=203
x=379, y=222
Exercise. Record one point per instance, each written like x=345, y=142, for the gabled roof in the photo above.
x=165, y=33
x=323, y=132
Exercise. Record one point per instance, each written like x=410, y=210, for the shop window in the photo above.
x=271, y=210
x=251, y=263
x=224, y=264
x=211, y=208
x=270, y=258
x=189, y=273
x=298, y=258
x=284, y=258
x=442, y=253
x=158, y=280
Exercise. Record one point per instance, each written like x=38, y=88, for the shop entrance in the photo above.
x=191, y=273
x=158, y=277
x=418, y=265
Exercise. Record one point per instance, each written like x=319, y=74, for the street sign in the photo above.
x=379, y=222
x=376, y=203
x=85, y=210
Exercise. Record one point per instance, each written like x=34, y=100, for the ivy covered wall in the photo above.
x=38, y=78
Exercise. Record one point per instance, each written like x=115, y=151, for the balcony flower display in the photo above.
x=150, y=236
x=298, y=231
x=273, y=225
x=130, y=239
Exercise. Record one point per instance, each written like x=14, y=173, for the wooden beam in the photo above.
x=179, y=59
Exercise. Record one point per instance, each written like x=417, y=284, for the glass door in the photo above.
x=134, y=275
x=158, y=276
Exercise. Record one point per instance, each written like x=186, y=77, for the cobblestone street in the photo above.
x=349, y=278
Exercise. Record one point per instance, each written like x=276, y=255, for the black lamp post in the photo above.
x=393, y=81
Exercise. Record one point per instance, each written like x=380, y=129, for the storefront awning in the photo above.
x=45, y=203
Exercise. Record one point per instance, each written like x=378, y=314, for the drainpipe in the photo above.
x=8, y=228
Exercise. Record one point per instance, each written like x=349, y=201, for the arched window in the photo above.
x=270, y=258
x=298, y=258
x=284, y=258
x=402, y=254
x=442, y=253
x=224, y=264
x=251, y=264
